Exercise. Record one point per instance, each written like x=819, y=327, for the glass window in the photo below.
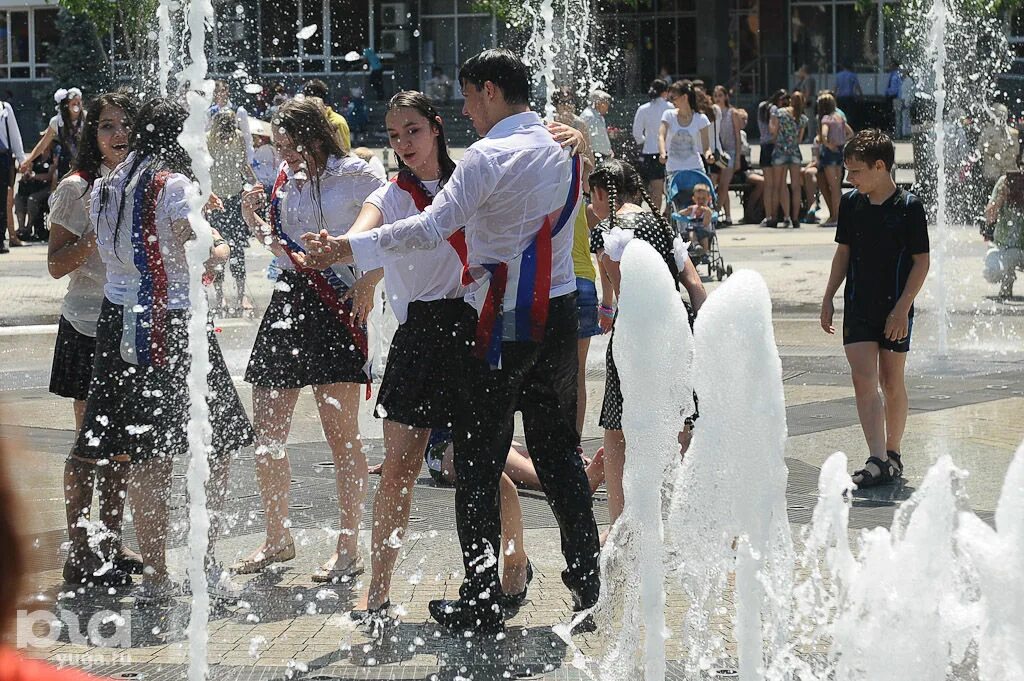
x=437, y=45
x=474, y=36
x=857, y=37
x=313, y=13
x=46, y=33
x=349, y=29
x=19, y=37
x=3, y=37
x=279, y=23
x=438, y=6
x=811, y=33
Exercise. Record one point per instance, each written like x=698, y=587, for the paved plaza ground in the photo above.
x=967, y=403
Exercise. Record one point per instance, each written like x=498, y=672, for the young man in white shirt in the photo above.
x=517, y=193
x=593, y=115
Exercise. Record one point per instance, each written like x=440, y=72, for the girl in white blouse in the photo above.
x=308, y=336
x=72, y=253
x=137, y=410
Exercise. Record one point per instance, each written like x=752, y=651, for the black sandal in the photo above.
x=887, y=473
x=897, y=462
x=377, y=621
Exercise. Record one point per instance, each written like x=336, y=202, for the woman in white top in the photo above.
x=729, y=127
x=137, y=410
x=64, y=129
x=72, y=253
x=308, y=336
x=419, y=391
x=684, y=138
x=646, y=129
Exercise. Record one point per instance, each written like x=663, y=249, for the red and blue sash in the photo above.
x=146, y=322
x=421, y=198
x=531, y=283
x=326, y=283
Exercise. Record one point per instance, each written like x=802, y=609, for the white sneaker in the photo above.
x=219, y=584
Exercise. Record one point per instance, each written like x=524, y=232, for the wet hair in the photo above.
x=684, y=88
x=658, y=87
x=421, y=104
x=564, y=96
x=796, y=103
x=621, y=180
x=305, y=122
x=870, y=146
x=1013, y=186
x=155, y=142
x=89, y=158
x=12, y=567
x=826, y=104
x=501, y=67
x=764, y=110
x=316, y=88
x=725, y=91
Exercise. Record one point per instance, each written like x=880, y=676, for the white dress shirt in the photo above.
x=418, y=275
x=333, y=205
x=10, y=134
x=502, y=191
x=647, y=124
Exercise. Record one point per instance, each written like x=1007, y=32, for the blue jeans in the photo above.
x=586, y=304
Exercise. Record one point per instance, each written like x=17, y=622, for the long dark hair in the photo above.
x=419, y=102
x=155, y=143
x=89, y=158
x=658, y=87
x=621, y=180
x=684, y=88
x=68, y=130
x=764, y=110
x=1014, y=187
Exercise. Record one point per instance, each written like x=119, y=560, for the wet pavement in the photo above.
x=967, y=403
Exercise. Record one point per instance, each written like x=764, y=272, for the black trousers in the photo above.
x=538, y=379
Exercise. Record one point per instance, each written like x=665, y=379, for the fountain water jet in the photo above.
x=193, y=139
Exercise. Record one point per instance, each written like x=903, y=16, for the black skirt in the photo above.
x=302, y=342
x=143, y=411
x=420, y=384
x=72, y=362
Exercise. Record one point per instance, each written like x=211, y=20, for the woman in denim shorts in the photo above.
x=832, y=131
x=788, y=125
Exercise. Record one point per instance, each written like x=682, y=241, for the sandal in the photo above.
x=340, y=575
x=378, y=621
x=887, y=473
x=262, y=560
x=897, y=462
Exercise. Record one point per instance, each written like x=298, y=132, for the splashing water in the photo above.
x=163, y=17
x=937, y=18
x=193, y=139
x=652, y=341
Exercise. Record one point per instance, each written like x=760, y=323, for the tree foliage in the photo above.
x=130, y=21
x=78, y=58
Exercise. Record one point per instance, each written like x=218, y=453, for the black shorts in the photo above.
x=143, y=411
x=857, y=329
x=651, y=168
x=767, y=149
x=420, y=384
x=73, y=357
x=303, y=342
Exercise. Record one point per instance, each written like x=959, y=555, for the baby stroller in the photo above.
x=679, y=195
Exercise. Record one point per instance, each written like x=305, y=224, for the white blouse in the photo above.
x=69, y=208
x=123, y=276
x=434, y=274
x=330, y=202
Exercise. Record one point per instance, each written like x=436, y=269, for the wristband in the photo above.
x=606, y=311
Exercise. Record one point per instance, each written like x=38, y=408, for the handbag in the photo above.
x=720, y=159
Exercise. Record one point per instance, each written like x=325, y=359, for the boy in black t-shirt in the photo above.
x=883, y=256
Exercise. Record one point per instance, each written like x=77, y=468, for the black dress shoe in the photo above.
x=78, y=576
x=581, y=603
x=510, y=601
x=460, y=616
x=125, y=563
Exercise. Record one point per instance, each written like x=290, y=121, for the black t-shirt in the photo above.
x=882, y=240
